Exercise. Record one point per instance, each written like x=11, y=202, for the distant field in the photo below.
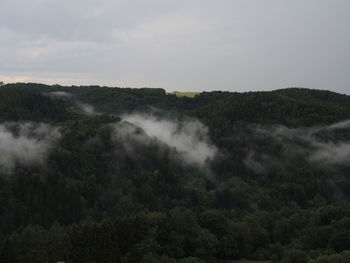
x=245, y=261
x=184, y=94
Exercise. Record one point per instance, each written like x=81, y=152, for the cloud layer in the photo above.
x=25, y=144
x=310, y=144
x=177, y=45
x=189, y=138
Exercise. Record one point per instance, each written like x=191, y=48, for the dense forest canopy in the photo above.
x=99, y=174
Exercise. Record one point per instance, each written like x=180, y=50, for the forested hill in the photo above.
x=292, y=107
x=99, y=174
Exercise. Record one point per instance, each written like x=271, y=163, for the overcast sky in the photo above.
x=184, y=45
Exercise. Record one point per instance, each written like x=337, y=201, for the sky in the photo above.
x=178, y=45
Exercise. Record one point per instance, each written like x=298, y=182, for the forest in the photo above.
x=99, y=174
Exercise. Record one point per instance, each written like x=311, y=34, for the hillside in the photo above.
x=100, y=174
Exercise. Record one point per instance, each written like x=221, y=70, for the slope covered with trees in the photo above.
x=266, y=175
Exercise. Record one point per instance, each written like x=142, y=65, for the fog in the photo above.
x=88, y=109
x=63, y=94
x=189, y=138
x=26, y=143
x=312, y=144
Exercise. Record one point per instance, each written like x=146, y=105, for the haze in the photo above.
x=192, y=45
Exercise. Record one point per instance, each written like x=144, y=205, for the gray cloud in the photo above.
x=339, y=125
x=189, y=138
x=326, y=152
x=26, y=143
x=63, y=94
x=331, y=153
x=88, y=109
x=177, y=45
x=306, y=143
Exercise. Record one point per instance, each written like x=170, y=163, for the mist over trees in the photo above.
x=98, y=174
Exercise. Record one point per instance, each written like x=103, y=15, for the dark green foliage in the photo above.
x=104, y=198
x=23, y=103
